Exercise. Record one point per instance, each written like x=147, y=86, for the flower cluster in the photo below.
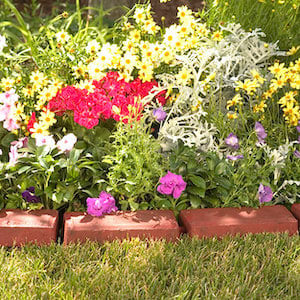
x=10, y=110
x=111, y=97
x=172, y=184
x=104, y=204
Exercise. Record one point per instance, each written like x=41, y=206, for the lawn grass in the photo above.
x=262, y=266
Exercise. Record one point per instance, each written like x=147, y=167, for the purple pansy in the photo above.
x=298, y=127
x=159, y=114
x=235, y=157
x=29, y=196
x=265, y=193
x=297, y=153
x=104, y=204
x=260, y=132
x=171, y=184
x=232, y=141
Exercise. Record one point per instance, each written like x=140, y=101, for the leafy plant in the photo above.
x=136, y=165
x=58, y=178
x=207, y=176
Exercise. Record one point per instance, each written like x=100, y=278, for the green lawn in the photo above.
x=252, y=267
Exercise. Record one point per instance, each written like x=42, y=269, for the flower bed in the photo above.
x=142, y=117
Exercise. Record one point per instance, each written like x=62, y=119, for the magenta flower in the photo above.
x=235, y=157
x=159, y=114
x=172, y=184
x=232, y=141
x=104, y=204
x=265, y=193
x=260, y=132
x=297, y=153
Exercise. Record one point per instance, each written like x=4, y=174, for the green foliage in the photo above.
x=33, y=52
x=58, y=178
x=207, y=176
x=279, y=20
x=136, y=165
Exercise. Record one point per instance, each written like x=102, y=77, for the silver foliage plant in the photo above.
x=229, y=60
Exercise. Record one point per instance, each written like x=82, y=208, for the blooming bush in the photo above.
x=141, y=116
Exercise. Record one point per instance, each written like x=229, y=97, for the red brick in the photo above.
x=295, y=209
x=155, y=224
x=18, y=227
x=218, y=222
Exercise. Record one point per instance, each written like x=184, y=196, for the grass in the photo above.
x=279, y=20
x=262, y=266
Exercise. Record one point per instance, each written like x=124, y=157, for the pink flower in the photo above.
x=265, y=193
x=104, y=204
x=41, y=140
x=11, y=124
x=172, y=184
x=67, y=142
x=13, y=156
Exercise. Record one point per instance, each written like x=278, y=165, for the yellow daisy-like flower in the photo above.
x=257, y=76
x=277, y=69
x=260, y=107
x=232, y=116
x=135, y=35
x=38, y=78
x=86, y=85
x=7, y=84
x=236, y=100
x=39, y=128
x=47, y=117
x=293, y=50
x=28, y=91
x=217, y=36
x=184, y=76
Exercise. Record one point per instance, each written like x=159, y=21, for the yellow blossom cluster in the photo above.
x=141, y=52
x=284, y=78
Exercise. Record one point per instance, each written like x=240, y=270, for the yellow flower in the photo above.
x=236, y=100
x=257, y=76
x=139, y=15
x=47, y=117
x=232, y=116
x=167, y=56
x=7, y=83
x=217, y=36
x=39, y=128
x=27, y=91
x=248, y=85
x=277, y=83
x=86, y=85
x=184, y=76
x=38, y=78
x=277, y=69
x=135, y=35
x=259, y=107
x=79, y=70
x=47, y=94
x=293, y=50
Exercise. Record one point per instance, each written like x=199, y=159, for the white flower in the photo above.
x=62, y=37
x=41, y=140
x=2, y=43
x=67, y=142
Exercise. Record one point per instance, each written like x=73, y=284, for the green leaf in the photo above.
x=7, y=139
x=133, y=205
x=197, y=191
x=197, y=181
x=220, y=168
x=195, y=201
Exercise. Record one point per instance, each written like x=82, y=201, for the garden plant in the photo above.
x=203, y=113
